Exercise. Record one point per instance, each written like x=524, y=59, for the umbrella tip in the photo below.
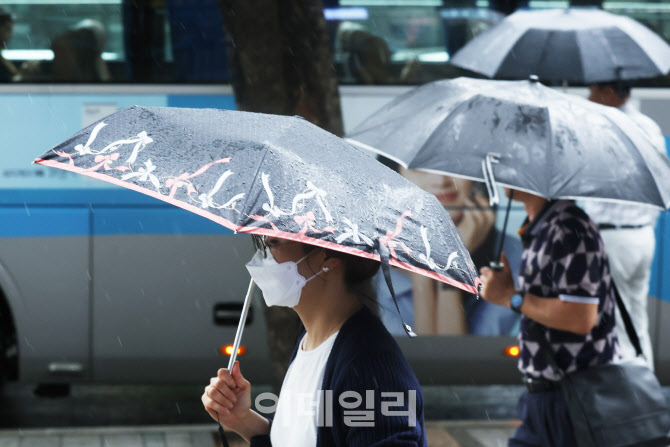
x=408, y=330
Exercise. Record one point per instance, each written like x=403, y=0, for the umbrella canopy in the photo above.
x=530, y=137
x=574, y=45
x=272, y=175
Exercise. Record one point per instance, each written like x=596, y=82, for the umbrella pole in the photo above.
x=236, y=346
x=240, y=326
x=497, y=265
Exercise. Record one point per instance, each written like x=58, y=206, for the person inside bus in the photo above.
x=77, y=56
x=8, y=72
x=345, y=351
x=368, y=59
x=560, y=300
x=435, y=308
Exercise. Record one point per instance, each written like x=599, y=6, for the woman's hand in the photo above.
x=227, y=399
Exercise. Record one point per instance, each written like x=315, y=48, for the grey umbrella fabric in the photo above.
x=530, y=137
x=574, y=45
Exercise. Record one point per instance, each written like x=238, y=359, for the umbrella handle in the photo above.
x=240, y=326
x=489, y=179
x=386, y=270
x=496, y=265
x=236, y=346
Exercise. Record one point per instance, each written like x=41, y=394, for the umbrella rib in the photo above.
x=633, y=37
x=550, y=158
x=545, y=45
x=581, y=56
x=252, y=184
x=463, y=104
x=643, y=52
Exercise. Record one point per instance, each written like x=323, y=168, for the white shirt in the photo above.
x=623, y=213
x=297, y=411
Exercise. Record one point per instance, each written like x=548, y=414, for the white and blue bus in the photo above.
x=103, y=285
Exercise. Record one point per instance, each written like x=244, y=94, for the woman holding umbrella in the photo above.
x=346, y=350
x=321, y=204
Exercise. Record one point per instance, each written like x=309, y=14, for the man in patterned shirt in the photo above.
x=566, y=296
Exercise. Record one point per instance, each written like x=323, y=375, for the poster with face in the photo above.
x=434, y=308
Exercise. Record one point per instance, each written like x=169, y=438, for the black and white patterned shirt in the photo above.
x=564, y=257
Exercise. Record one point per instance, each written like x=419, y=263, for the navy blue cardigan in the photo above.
x=366, y=357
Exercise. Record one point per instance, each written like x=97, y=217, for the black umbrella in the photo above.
x=272, y=175
x=567, y=45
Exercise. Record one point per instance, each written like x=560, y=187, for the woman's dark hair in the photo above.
x=358, y=273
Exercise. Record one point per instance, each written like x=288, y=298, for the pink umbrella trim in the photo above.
x=181, y=180
x=307, y=221
x=104, y=161
x=390, y=241
x=64, y=155
x=265, y=220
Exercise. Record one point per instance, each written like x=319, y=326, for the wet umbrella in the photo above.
x=276, y=176
x=522, y=135
x=573, y=45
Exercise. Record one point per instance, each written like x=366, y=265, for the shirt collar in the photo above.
x=530, y=229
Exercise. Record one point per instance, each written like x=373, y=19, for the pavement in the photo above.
x=170, y=405
x=172, y=416
x=439, y=434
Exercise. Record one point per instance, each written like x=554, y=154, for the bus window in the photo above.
x=409, y=42
x=68, y=42
x=84, y=41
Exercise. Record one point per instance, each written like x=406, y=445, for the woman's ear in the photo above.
x=332, y=264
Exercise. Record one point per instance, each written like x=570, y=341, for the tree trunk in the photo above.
x=282, y=61
x=282, y=64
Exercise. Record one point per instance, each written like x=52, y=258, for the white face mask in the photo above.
x=281, y=283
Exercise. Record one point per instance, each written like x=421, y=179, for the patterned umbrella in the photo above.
x=276, y=176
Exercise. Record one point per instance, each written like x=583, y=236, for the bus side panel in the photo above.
x=159, y=272
x=45, y=252
x=661, y=338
